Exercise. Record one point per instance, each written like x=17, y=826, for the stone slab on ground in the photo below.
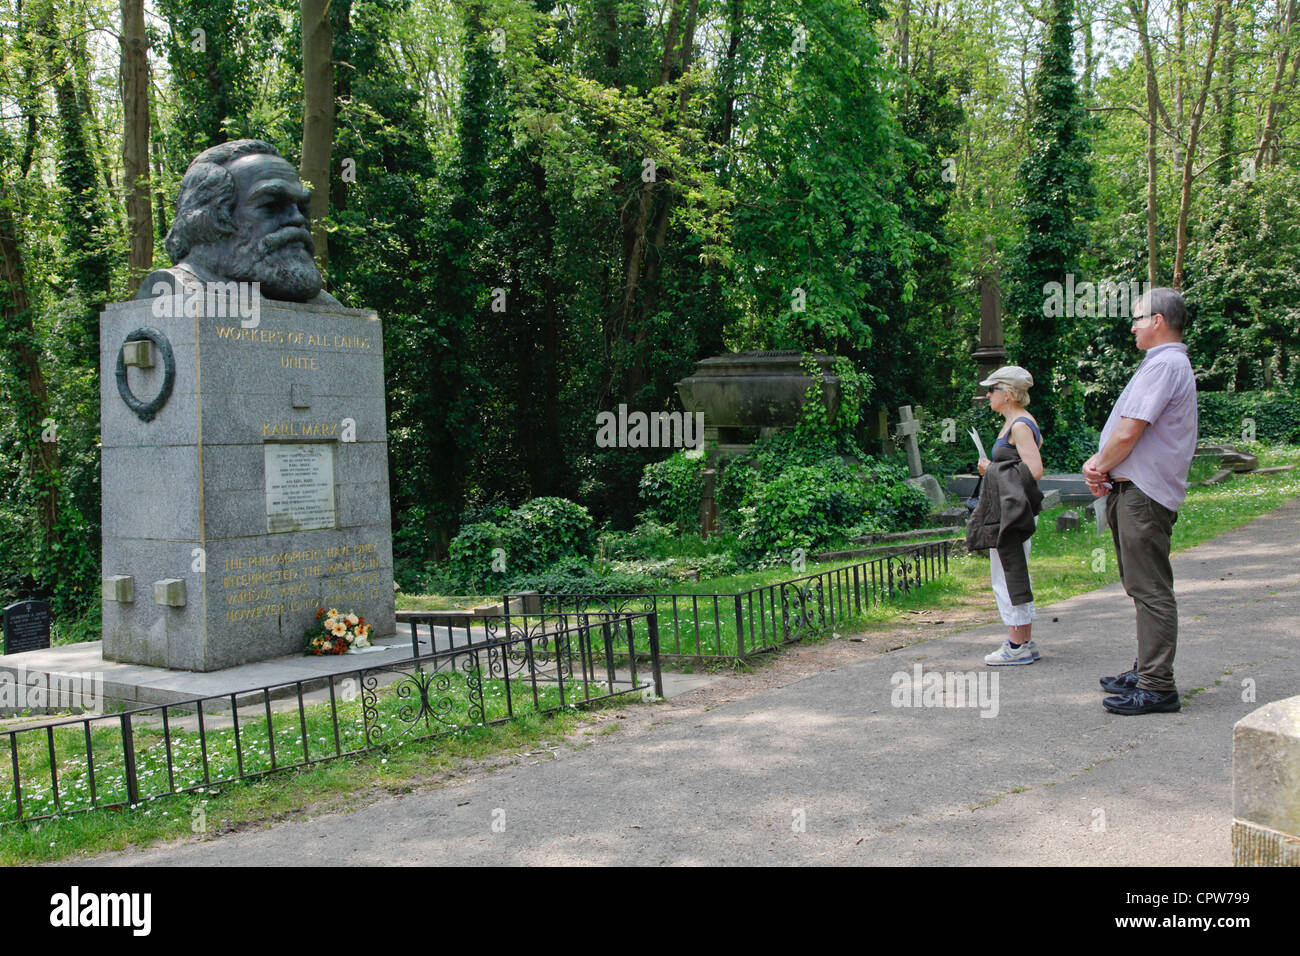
x=1051, y=779
x=125, y=686
x=128, y=686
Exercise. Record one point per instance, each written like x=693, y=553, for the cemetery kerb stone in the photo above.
x=256, y=493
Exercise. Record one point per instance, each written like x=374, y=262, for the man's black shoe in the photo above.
x=1142, y=701
x=1121, y=684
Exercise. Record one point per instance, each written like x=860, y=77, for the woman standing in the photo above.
x=1019, y=440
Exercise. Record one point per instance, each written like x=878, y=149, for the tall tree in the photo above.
x=318, y=117
x=1057, y=203
x=134, y=73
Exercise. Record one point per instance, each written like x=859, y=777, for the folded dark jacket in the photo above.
x=1004, y=519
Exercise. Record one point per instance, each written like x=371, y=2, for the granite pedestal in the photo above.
x=256, y=493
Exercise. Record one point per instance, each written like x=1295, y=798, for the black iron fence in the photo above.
x=524, y=665
x=715, y=626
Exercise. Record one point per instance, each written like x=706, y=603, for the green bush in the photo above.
x=471, y=558
x=545, y=530
x=575, y=576
x=533, y=536
x=793, y=494
x=671, y=489
x=1226, y=416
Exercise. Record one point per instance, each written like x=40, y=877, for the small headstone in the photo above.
x=1068, y=521
x=1051, y=499
x=1099, y=509
x=1219, y=477
x=27, y=626
x=933, y=490
x=1274, y=470
x=907, y=429
x=955, y=516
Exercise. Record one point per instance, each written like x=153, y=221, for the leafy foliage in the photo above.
x=531, y=538
x=671, y=489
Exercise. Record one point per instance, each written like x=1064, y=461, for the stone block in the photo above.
x=120, y=588
x=1068, y=521
x=933, y=490
x=1240, y=461
x=138, y=354
x=1051, y=499
x=169, y=592
x=954, y=517
x=1266, y=785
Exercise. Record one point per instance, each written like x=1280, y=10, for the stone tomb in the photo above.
x=245, y=478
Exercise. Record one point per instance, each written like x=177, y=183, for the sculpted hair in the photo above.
x=205, y=204
x=1170, y=304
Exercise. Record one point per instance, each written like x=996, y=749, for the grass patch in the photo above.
x=337, y=785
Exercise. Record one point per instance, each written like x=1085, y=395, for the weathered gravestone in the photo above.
x=1068, y=521
x=244, y=442
x=26, y=626
x=908, y=427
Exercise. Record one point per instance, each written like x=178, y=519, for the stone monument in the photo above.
x=244, y=440
x=990, y=353
x=908, y=427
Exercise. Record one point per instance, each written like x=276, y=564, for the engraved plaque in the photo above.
x=27, y=627
x=299, y=487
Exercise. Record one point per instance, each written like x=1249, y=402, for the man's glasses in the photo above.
x=1148, y=315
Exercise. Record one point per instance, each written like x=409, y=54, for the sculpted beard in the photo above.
x=282, y=262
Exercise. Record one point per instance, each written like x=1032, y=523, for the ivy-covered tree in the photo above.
x=1057, y=191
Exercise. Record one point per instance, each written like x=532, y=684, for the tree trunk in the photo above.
x=1198, y=111
x=19, y=335
x=135, y=143
x=1227, y=107
x=318, y=117
x=1262, y=151
x=1153, y=101
x=637, y=272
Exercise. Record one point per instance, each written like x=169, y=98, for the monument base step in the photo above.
x=76, y=678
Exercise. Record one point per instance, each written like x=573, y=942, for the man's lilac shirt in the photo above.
x=1162, y=393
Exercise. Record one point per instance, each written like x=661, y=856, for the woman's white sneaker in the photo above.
x=1026, y=653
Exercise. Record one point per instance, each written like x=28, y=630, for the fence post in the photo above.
x=857, y=597
x=653, y=623
x=128, y=761
x=740, y=628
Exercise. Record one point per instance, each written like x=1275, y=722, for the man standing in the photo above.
x=1146, y=450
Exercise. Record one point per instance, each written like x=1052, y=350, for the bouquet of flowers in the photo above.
x=337, y=633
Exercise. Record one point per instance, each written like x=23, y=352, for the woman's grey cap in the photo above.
x=1012, y=375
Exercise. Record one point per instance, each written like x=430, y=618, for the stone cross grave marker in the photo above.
x=27, y=626
x=907, y=429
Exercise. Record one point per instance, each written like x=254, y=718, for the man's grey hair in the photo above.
x=206, y=203
x=1170, y=304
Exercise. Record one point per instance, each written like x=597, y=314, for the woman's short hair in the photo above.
x=1019, y=396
